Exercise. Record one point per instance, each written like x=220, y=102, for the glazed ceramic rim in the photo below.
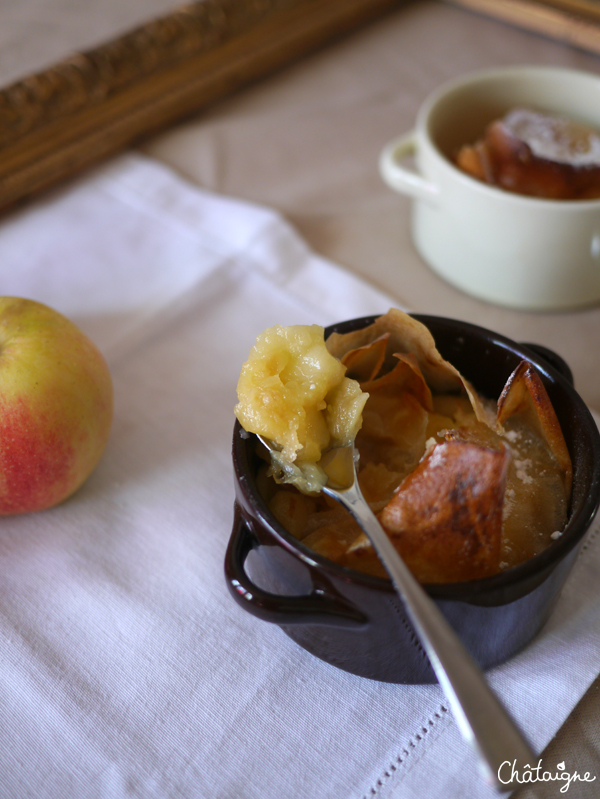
x=457, y=591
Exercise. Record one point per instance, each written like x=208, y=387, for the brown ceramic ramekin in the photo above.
x=357, y=622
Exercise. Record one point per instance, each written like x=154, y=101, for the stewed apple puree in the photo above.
x=464, y=487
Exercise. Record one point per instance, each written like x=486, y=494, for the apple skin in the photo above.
x=56, y=406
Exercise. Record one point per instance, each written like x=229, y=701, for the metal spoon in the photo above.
x=482, y=720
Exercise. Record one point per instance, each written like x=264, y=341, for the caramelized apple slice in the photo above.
x=404, y=335
x=378, y=483
x=395, y=418
x=408, y=336
x=393, y=433
x=292, y=509
x=534, y=499
x=364, y=363
x=525, y=399
x=405, y=376
x=446, y=518
x=536, y=154
x=330, y=532
x=475, y=161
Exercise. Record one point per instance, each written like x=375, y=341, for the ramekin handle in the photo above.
x=314, y=608
x=398, y=177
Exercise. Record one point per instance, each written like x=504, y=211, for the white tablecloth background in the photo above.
x=125, y=667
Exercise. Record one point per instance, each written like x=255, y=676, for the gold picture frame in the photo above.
x=55, y=123
x=574, y=22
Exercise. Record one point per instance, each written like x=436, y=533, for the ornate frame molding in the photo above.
x=58, y=122
x=574, y=22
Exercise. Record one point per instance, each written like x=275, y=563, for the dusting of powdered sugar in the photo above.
x=555, y=138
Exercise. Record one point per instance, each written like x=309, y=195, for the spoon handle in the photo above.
x=482, y=720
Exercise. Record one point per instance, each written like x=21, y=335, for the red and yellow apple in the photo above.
x=56, y=406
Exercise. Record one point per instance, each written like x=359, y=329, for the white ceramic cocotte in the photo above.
x=505, y=248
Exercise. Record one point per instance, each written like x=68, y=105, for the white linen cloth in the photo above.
x=126, y=670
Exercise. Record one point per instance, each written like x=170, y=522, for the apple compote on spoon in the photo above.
x=464, y=487
x=293, y=392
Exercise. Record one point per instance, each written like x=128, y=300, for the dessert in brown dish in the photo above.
x=464, y=486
